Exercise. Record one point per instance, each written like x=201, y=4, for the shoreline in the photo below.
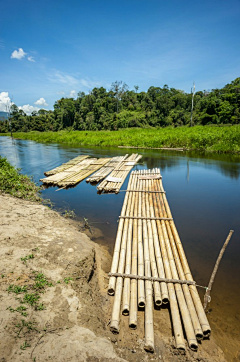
x=76, y=307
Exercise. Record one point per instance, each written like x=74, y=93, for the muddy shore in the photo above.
x=70, y=320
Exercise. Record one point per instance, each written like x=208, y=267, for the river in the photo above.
x=203, y=192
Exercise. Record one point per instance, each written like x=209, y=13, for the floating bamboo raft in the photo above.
x=115, y=180
x=149, y=265
x=80, y=175
x=66, y=165
x=113, y=164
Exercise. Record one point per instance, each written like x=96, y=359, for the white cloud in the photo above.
x=41, y=102
x=29, y=109
x=59, y=77
x=31, y=59
x=72, y=94
x=61, y=93
x=18, y=54
x=5, y=101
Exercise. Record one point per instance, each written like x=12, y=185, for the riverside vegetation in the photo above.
x=16, y=184
x=203, y=138
x=144, y=119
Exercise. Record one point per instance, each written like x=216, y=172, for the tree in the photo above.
x=119, y=88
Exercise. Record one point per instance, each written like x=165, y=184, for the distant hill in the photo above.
x=3, y=116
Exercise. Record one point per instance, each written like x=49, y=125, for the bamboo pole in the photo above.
x=187, y=294
x=178, y=287
x=161, y=272
x=114, y=325
x=187, y=273
x=134, y=283
x=149, y=332
x=176, y=321
x=156, y=285
x=141, y=285
x=116, y=253
x=207, y=297
x=126, y=288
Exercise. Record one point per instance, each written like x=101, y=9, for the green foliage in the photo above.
x=13, y=183
x=209, y=138
x=123, y=108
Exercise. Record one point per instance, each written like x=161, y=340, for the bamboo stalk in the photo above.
x=114, y=325
x=161, y=272
x=134, y=283
x=141, y=285
x=156, y=285
x=116, y=253
x=149, y=332
x=187, y=273
x=176, y=321
x=126, y=289
x=178, y=288
x=207, y=297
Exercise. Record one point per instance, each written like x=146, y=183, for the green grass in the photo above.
x=204, y=138
x=16, y=184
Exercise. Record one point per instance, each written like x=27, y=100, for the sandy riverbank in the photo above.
x=73, y=324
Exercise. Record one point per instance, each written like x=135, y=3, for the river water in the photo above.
x=203, y=192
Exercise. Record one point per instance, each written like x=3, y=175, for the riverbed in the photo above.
x=203, y=191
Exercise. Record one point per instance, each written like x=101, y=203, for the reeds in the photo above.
x=147, y=245
x=115, y=180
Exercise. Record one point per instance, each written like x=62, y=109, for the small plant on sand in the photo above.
x=27, y=257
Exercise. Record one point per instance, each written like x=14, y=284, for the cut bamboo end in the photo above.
x=149, y=347
x=114, y=327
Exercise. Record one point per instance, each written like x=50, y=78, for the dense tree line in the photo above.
x=122, y=108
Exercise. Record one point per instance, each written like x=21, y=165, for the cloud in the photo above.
x=41, y=102
x=18, y=54
x=31, y=59
x=59, y=77
x=72, y=94
x=29, y=109
x=5, y=101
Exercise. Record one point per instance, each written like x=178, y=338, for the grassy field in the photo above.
x=15, y=184
x=204, y=138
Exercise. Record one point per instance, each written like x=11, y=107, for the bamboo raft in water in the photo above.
x=55, y=179
x=148, y=245
x=114, y=163
x=80, y=175
x=65, y=165
x=115, y=180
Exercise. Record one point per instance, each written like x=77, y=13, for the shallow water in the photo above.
x=203, y=193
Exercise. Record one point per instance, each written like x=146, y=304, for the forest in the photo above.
x=123, y=108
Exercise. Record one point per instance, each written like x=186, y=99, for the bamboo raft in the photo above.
x=149, y=265
x=115, y=180
x=113, y=164
x=80, y=175
x=66, y=165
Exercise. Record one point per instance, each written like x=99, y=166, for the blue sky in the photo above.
x=52, y=49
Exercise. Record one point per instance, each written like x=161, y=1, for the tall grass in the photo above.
x=204, y=138
x=16, y=184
